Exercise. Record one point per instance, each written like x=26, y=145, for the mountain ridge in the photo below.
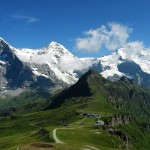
x=124, y=95
x=54, y=67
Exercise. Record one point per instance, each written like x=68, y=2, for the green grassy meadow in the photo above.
x=19, y=131
x=124, y=107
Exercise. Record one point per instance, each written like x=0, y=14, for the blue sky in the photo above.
x=79, y=25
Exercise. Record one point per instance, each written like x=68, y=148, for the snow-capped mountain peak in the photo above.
x=57, y=48
x=54, y=56
x=55, y=45
x=1, y=39
x=131, y=60
x=136, y=54
x=3, y=42
x=55, y=66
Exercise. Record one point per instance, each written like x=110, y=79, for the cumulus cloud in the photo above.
x=112, y=36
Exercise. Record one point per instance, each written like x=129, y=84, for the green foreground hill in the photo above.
x=122, y=106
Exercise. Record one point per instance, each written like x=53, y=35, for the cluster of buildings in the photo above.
x=98, y=121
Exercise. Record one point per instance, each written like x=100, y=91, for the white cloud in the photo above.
x=112, y=37
x=135, y=46
x=28, y=19
x=69, y=63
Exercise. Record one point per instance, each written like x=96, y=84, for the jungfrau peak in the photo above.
x=54, y=67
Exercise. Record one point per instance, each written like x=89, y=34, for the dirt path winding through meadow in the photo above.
x=55, y=136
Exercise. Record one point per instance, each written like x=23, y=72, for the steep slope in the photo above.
x=73, y=91
x=54, y=56
x=16, y=73
x=12, y=69
x=124, y=94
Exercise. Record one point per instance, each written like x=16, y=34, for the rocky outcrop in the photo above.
x=118, y=119
x=111, y=124
x=122, y=135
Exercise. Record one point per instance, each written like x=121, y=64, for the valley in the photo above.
x=73, y=122
x=74, y=75
x=23, y=130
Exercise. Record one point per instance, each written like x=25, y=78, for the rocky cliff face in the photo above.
x=119, y=119
x=111, y=128
x=125, y=137
x=15, y=73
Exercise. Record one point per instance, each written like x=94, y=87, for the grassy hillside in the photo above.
x=33, y=100
x=123, y=106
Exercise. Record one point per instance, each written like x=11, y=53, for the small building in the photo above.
x=93, y=116
x=99, y=123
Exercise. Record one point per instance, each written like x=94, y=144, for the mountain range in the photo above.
x=54, y=67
